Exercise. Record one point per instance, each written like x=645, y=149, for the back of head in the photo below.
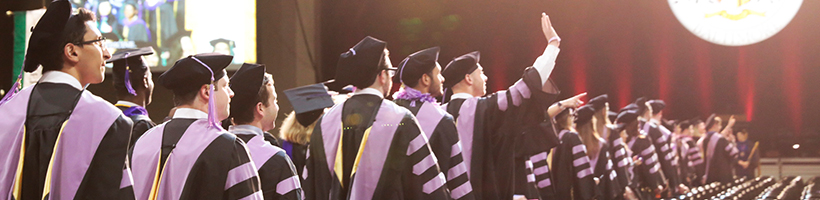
x=56, y=28
x=455, y=71
x=189, y=74
x=294, y=132
x=361, y=64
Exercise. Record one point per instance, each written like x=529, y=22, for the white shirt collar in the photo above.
x=461, y=96
x=245, y=128
x=369, y=91
x=190, y=113
x=55, y=76
x=127, y=103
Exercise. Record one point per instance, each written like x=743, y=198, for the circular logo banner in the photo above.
x=735, y=22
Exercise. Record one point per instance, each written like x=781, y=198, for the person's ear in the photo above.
x=468, y=79
x=204, y=92
x=260, y=109
x=426, y=80
x=71, y=52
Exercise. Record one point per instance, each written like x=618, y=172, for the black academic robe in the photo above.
x=297, y=154
x=660, y=137
x=141, y=124
x=697, y=161
x=277, y=174
x=721, y=157
x=73, y=145
x=647, y=171
x=685, y=170
x=621, y=160
x=496, y=128
x=192, y=160
x=573, y=174
x=346, y=161
x=608, y=186
x=441, y=130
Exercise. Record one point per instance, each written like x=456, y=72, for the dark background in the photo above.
x=626, y=49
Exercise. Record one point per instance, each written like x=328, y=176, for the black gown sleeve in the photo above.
x=649, y=169
x=584, y=185
x=442, y=142
x=278, y=174
x=665, y=156
x=414, y=184
x=106, y=170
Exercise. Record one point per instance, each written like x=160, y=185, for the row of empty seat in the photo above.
x=761, y=188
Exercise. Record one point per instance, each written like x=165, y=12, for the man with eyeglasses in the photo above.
x=61, y=141
x=368, y=147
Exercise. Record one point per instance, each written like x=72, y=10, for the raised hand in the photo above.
x=574, y=102
x=549, y=31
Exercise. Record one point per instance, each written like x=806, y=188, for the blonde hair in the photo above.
x=292, y=131
x=590, y=138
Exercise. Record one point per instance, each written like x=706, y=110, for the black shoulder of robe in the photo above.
x=49, y=106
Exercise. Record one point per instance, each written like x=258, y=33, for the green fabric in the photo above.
x=19, y=43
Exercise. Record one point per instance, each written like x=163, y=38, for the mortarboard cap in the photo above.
x=685, y=124
x=641, y=103
x=360, y=65
x=627, y=116
x=631, y=106
x=417, y=64
x=309, y=102
x=127, y=62
x=460, y=66
x=188, y=74
x=657, y=105
x=599, y=102
x=47, y=36
x=584, y=114
x=246, y=83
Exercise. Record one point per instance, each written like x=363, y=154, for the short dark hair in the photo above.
x=414, y=83
x=72, y=33
x=183, y=98
x=137, y=78
x=246, y=116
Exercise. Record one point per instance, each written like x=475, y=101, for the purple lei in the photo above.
x=410, y=94
x=135, y=110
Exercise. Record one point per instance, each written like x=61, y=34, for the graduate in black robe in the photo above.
x=685, y=145
x=601, y=163
x=720, y=151
x=420, y=77
x=696, y=161
x=493, y=128
x=648, y=177
x=191, y=156
x=134, y=84
x=61, y=141
x=368, y=147
x=533, y=178
x=309, y=104
x=572, y=170
x=253, y=113
x=662, y=140
x=623, y=164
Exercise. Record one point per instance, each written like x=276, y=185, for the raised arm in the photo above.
x=546, y=62
x=572, y=102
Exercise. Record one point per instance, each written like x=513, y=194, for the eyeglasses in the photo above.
x=98, y=42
